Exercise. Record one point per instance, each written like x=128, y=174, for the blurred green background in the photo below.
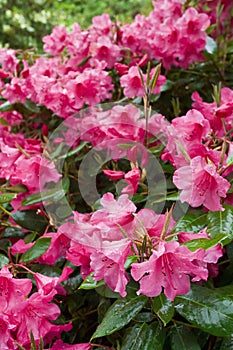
x=23, y=23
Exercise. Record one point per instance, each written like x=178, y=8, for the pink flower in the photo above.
x=132, y=83
x=56, y=41
x=102, y=24
x=132, y=178
x=211, y=255
x=6, y=340
x=79, y=255
x=113, y=174
x=47, y=285
x=201, y=184
x=34, y=314
x=12, y=290
x=57, y=249
x=9, y=61
x=146, y=220
x=122, y=69
x=214, y=113
x=108, y=264
x=114, y=211
x=104, y=50
x=169, y=268
x=59, y=345
x=193, y=126
x=15, y=91
x=20, y=247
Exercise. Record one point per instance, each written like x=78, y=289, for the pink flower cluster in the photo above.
x=120, y=130
x=168, y=33
x=101, y=243
x=77, y=71
x=220, y=13
x=67, y=82
x=192, y=148
x=23, y=312
x=21, y=162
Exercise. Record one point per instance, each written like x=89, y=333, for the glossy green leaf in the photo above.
x=163, y=308
x=227, y=344
x=73, y=151
x=39, y=248
x=207, y=310
x=229, y=159
x=6, y=107
x=90, y=283
x=221, y=222
x=144, y=317
x=144, y=337
x=191, y=222
x=119, y=315
x=130, y=260
x=32, y=107
x=13, y=232
x=54, y=194
x=106, y=292
x=30, y=220
x=3, y=260
x=226, y=291
x=211, y=45
x=19, y=188
x=7, y=197
x=205, y=243
x=182, y=338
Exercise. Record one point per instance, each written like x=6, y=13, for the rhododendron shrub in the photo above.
x=116, y=163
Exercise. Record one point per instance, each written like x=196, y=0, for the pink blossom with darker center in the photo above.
x=201, y=184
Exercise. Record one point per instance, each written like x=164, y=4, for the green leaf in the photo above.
x=221, y=222
x=54, y=194
x=207, y=310
x=13, y=232
x=191, y=222
x=30, y=220
x=146, y=316
x=33, y=344
x=227, y=344
x=163, y=308
x=130, y=260
x=106, y=292
x=18, y=188
x=211, y=45
x=20, y=347
x=229, y=159
x=183, y=339
x=119, y=315
x=73, y=151
x=226, y=291
x=6, y=107
x=155, y=76
x=32, y=107
x=144, y=337
x=7, y=197
x=39, y=248
x=3, y=260
x=204, y=243
x=90, y=283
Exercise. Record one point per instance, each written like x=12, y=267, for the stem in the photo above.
x=102, y=346
x=4, y=210
x=22, y=150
